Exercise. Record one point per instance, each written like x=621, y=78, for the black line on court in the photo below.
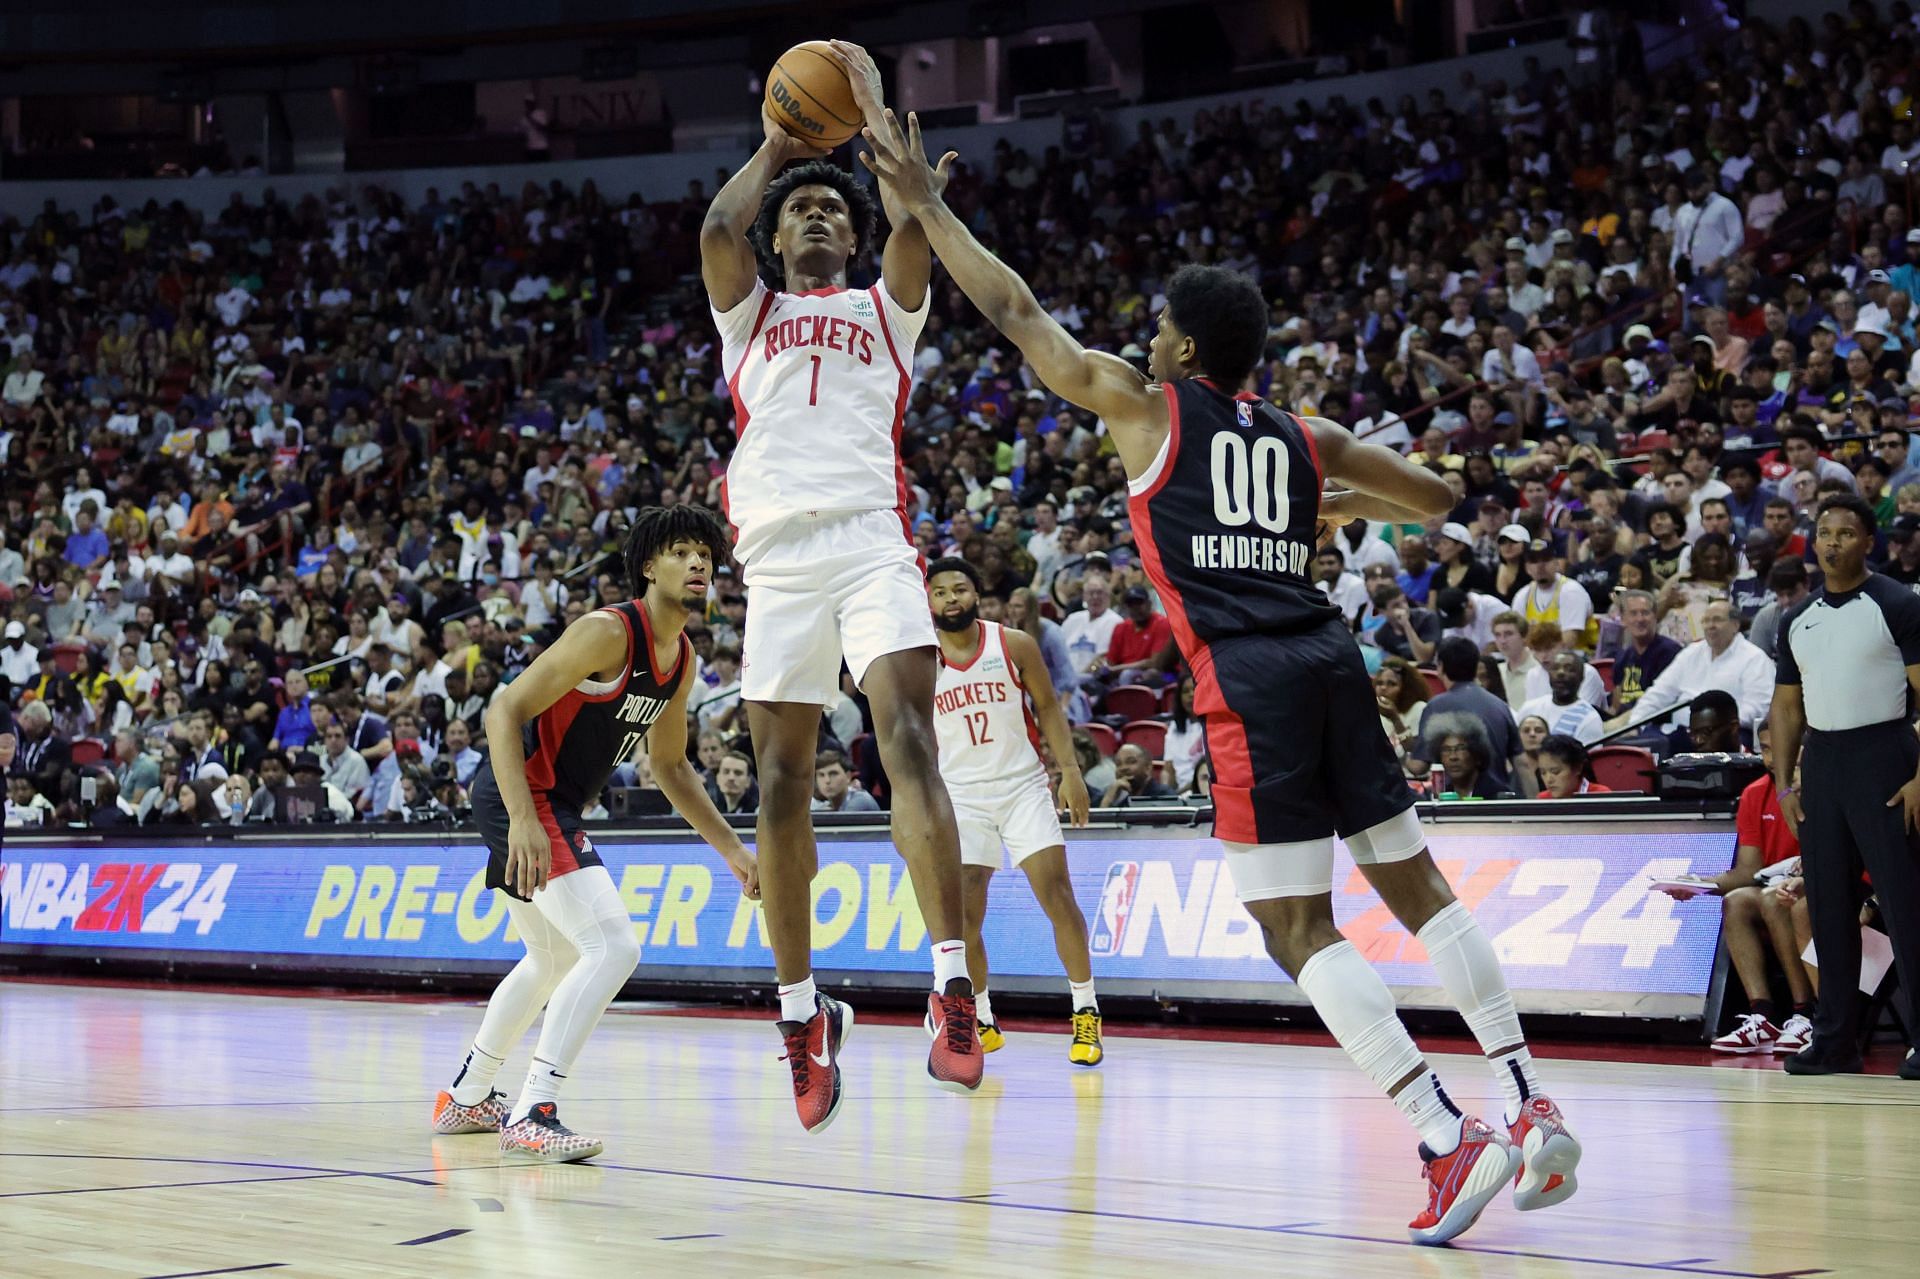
x=1302, y=1225
x=1684, y=1261
x=1153, y=1219
x=455, y=1233
x=489, y=1205
x=299, y=1172
x=229, y=1270
x=678, y=1238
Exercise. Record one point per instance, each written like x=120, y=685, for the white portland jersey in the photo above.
x=819, y=382
x=986, y=731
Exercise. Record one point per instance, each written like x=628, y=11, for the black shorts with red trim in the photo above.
x=1294, y=738
x=566, y=837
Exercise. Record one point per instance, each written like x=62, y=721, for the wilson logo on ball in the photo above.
x=795, y=112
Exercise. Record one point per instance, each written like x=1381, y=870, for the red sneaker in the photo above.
x=813, y=1050
x=1461, y=1184
x=956, y=1060
x=451, y=1119
x=1548, y=1155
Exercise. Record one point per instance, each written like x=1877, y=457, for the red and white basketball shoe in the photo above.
x=1460, y=1185
x=541, y=1138
x=956, y=1060
x=451, y=1119
x=1751, y=1034
x=1548, y=1156
x=813, y=1051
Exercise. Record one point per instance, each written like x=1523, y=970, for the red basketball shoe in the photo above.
x=956, y=1060
x=813, y=1051
x=1548, y=1153
x=1461, y=1184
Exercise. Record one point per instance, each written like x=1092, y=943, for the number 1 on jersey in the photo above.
x=977, y=728
x=813, y=395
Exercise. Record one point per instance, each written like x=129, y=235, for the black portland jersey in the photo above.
x=573, y=745
x=1224, y=520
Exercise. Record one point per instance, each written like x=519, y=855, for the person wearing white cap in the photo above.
x=19, y=660
x=1459, y=569
x=1876, y=289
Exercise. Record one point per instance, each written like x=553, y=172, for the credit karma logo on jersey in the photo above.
x=151, y=898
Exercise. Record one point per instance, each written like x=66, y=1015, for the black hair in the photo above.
x=1809, y=434
x=954, y=564
x=1225, y=315
x=861, y=209
x=1852, y=503
x=1570, y=752
x=657, y=528
x=1787, y=574
x=1459, y=659
x=1740, y=464
x=1720, y=702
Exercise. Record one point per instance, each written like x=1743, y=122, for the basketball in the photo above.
x=809, y=94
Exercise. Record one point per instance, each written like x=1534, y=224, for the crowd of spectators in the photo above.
x=289, y=491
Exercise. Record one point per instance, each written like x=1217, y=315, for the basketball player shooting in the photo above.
x=1226, y=501
x=816, y=489
x=990, y=758
x=616, y=678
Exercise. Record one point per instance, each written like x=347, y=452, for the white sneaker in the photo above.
x=1795, y=1035
x=1753, y=1034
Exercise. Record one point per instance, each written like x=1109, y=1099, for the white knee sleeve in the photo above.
x=1394, y=840
x=1263, y=871
x=1358, y=1010
x=1462, y=955
x=586, y=909
x=524, y=991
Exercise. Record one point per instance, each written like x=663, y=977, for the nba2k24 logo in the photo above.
x=118, y=897
x=1201, y=918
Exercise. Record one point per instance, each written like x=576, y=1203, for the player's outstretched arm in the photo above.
x=595, y=643
x=1031, y=667
x=1372, y=481
x=727, y=262
x=906, y=264
x=667, y=756
x=1094, y=380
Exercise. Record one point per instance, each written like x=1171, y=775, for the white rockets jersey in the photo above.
x=986, y=731
x=819, y=382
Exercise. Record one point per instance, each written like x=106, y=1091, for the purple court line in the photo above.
x=301, y=1172
x=1190, y=1221
x=435, y=1238
x=224, y=1270
x=678, y=1238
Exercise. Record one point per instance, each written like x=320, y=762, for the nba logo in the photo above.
x=1116, y=905
x=1244, y=411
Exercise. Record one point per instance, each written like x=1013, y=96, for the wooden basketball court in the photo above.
x=167, y=1133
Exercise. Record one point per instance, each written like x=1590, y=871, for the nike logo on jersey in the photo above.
x=835, y=332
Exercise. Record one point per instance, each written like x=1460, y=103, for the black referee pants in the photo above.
x=1846, y=780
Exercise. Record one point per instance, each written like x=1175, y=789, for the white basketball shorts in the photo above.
x=1016, y=816
x=830, y=585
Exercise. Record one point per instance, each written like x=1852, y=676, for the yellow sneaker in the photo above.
x=991, y=1040
x=1086, y=1049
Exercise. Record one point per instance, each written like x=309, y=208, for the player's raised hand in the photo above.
x=899, y=160
x=863, y=77
x=785, y=146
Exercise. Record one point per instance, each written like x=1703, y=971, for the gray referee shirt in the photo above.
x=1850, y=653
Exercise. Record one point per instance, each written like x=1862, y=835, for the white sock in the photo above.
x=983, y=1007
x=1358, y=1010
x=543, y=1084
x=1428, y=1108
x=949, y=964
x=1082, y=992
x=474, y=1083
x=1463, y=956
x=797, y=1000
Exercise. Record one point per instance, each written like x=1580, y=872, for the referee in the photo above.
x=1849, y=667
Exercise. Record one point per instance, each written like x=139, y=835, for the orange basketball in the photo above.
x=809, y=94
